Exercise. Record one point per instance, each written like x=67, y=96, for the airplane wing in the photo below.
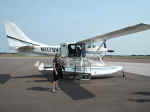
x=122, y=32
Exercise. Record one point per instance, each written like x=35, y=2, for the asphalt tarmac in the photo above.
x=24, y=89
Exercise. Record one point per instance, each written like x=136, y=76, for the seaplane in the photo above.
x=76, y=54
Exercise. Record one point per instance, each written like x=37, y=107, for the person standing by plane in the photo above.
x=57, y=71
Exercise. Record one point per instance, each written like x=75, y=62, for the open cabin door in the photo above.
x=76, y=50
x=73, y=50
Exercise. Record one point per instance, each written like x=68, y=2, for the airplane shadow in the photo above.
x=74, y=90
x=45, y=80
x=69, y=86
x=103, y=77
x=4, y=78
x=143, y=93
x=42, y=77
x=141, y=100
x=28, y=76
x=38, y=89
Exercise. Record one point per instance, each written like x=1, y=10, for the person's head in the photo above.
x=56, y=55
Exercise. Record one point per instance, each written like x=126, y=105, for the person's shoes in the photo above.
x=57, y=88
x=53, y=91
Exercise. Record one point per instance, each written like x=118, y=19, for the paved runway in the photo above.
x=24, y=89
x=137, y=68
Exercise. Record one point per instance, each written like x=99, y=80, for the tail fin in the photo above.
x=16, y=38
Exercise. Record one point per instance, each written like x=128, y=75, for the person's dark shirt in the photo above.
x=57, y=63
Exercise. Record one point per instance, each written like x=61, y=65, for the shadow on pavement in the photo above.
x=103, y=77
x=38, y=89
x=41, y=80
x=142, y=100
x=70, y=87
x=74, y=90
x=144, y=93
x=28, y=76
x=4, y=78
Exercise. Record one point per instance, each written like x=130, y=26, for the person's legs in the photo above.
x=53, y=88
x=54, y=82
x=56, y=85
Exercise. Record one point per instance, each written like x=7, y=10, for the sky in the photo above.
x=58, y=21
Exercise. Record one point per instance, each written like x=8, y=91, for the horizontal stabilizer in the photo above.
x=26, y=49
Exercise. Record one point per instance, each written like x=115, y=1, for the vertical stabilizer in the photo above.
x=17, y=38
x=13, y=31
